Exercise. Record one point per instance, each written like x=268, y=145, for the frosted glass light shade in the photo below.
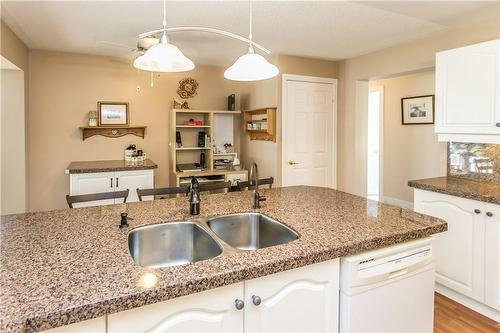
x=164, y=57
x=251, y=67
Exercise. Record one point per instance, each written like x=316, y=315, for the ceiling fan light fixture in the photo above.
x=164, y=57
x=251, y=67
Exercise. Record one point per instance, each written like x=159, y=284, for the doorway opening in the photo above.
x=374, y=144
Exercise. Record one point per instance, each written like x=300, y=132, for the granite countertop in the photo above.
x=65, y=266
x=460, y=187
x=109, y=166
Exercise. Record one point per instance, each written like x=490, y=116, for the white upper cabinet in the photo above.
x=301, y=300
x=468, y=93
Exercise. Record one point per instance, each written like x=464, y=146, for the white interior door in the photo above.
x=308, y=131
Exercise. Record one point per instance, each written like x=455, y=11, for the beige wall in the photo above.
x=267, y=155
x=409, y=152
x=12, y=143
x=64, y=87
x=15, y=51
x=396, y=60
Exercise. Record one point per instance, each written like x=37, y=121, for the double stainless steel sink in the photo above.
x=182, y=242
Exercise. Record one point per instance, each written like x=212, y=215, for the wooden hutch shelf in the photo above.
x=189, y=152
x=113, y=131
x=264, y=121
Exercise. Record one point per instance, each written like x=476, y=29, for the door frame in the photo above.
x=284, y=120
x=380, y=89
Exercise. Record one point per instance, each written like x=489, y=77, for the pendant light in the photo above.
x=164, y=57
x=251, y=66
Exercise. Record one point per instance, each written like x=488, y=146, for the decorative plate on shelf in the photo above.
x=187, y=88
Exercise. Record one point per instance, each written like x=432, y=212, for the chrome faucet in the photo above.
x=194, y=197
x=254, y=181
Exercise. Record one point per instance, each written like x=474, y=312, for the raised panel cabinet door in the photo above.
x=468, y=89
x=492, y=256
x=300, y=300
x=460, y=250
x=209, y=311
x=88, y=183
x=132, y=180
x=96, y=325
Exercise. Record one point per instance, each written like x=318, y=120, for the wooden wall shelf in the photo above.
x=267, y=119
x=113, y=131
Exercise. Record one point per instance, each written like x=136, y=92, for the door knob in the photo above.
x=256, y=300
x=239, y=304
x=291, y=162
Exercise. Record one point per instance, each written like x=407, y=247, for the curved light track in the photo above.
x=204, y=29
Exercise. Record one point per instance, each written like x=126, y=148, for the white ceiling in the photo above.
x=327, y=29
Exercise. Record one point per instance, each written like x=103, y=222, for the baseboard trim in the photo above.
x=468, y=302
x=400, y=203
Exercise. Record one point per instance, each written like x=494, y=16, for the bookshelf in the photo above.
x=190, y=152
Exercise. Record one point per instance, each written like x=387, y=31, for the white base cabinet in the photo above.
x=88, y=183
x=209, y=311
x=96, y=325
x=299, y=300
x=468, y=254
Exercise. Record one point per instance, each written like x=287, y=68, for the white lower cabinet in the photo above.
x=492, y=256
x=88, y=183
x=299, y=300
x=468, y=254
x=209, y=311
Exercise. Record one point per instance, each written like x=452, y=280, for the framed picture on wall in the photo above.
x=113, y=113
x=417, y=110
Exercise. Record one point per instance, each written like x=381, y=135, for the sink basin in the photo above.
x=171, y=244
x=251, y=231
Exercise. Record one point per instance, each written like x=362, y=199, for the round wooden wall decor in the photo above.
x=187, y=88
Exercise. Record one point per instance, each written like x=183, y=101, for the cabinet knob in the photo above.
x=239, y=304
x=489, y=214
x=497, y=124
x=256, y=300
x=477, y=211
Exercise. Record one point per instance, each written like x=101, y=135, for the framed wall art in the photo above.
x=113, y=113
x=417, y=110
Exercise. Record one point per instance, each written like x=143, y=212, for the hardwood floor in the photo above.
x=452, y=317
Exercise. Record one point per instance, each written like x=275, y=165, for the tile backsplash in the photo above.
x=477, y=161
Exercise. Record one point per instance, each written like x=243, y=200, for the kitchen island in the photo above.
x=66, y=266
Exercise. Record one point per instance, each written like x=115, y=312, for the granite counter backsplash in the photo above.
x=65, y=266
x=475, y=161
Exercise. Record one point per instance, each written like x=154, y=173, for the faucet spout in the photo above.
x=254, y=182
x=194, y=197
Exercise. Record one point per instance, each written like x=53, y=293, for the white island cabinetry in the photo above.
x=300, y=300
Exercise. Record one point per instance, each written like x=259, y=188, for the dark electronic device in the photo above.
x=178, y=140
x=201, y=139
x=202, y=159
x=231, y=102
